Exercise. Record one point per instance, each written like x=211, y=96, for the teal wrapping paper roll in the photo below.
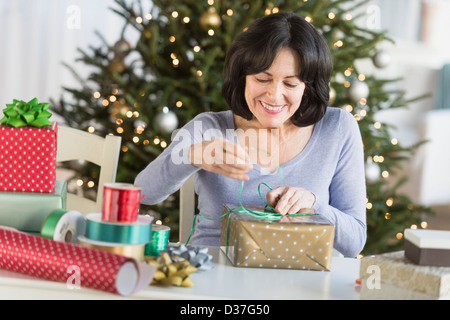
x=138, y=232
x=26, y=211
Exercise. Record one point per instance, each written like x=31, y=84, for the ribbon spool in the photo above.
x=121, y=202
x=135, y=251
x=138, y=232
x=160, y=240
x=63, y=225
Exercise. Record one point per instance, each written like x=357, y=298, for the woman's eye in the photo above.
x=290, y=85
x=262, y=80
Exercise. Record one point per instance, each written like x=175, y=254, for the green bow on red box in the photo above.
x=21, y=113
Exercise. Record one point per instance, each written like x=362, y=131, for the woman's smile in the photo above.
x=270, y=108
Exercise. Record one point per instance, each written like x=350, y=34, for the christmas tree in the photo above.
x=144, y=90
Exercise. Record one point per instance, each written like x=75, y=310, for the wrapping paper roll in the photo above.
x=135, y=251
x=26, y=211
x=63, y=225
x=73, y=264
x=138, y=232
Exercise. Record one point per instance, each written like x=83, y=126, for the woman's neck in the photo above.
x=270, y=147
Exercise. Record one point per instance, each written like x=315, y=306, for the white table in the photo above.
x=224, y=281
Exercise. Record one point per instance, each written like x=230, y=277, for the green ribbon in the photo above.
x=159, y=242
x=49, y=225
x=31, y=113
x=139, y=232
x=269, y=213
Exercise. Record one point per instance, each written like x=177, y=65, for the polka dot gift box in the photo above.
x=252, y=242
x=27, y=149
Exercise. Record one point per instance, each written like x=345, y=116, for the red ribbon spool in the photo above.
x=121, y=202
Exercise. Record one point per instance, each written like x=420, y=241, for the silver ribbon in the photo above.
x=196, y=255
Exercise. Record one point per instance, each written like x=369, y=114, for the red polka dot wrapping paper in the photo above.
x=63, y=262
x=28, y=158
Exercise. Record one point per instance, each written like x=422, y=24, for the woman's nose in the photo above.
x=275, y=91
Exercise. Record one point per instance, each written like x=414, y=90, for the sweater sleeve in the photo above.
x=167, y=173
x=346, y=208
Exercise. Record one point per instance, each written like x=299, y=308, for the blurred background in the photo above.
x=37, y=36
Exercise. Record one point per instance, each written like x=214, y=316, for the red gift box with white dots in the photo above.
x=28, y=158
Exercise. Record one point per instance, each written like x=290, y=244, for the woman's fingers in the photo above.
x=290, y=200
x=273, y=196
x=221, y=156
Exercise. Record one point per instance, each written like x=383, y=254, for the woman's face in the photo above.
x=275, y=94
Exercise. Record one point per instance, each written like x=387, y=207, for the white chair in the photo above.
x=74, y=144
x=187, y=209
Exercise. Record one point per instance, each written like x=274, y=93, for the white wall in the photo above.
x=36, y=36
x=420, y=29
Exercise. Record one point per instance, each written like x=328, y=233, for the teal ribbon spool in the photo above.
x=160, y=240
x=138, y=232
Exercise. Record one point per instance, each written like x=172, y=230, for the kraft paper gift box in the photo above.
x=428, y=247
x=393, y=276
x=251, y=242
x=26, y=211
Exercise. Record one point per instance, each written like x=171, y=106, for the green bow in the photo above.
x=21, y=113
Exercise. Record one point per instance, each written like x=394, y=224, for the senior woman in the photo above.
x=279, y=131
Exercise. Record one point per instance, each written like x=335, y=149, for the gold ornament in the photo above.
x=119, y=109
x=122, y=48
x=117, y=66
x=210, y=19
x=332, y=95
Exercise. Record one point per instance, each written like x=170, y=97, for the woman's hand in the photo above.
x=221, y=156
x=289, y=200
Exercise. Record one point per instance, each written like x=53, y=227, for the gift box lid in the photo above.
x=426, y=238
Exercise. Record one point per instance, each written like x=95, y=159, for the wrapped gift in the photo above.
x=393, y=276
x=27, y=148
x=26, y=211
x=428, y=247
x=249, y=241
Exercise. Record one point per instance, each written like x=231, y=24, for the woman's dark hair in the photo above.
x=254, y=50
